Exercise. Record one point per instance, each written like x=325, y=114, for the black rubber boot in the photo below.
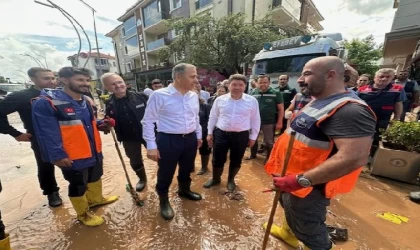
x=54, y=200
x=141, y=184
x=217, y=173
x=185, y=191
x=267, y=155
x=166, y=210
x=204, y=164
x=253, y=154
x=415, y=196
x=231, y=185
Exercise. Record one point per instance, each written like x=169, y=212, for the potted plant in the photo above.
x=398, y=155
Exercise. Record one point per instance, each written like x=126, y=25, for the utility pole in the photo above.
x=45, y=59
x=33, y=58
x=96, y=40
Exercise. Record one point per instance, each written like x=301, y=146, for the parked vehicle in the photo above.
x=288, y=56
x=7, y=88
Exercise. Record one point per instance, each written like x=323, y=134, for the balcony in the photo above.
x=156, y=24
x=199, y=4
x=288, y=13
x=153, y=47
x=103, y=66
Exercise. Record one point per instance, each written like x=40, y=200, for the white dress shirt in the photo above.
x=172, y=112
x=235, y=115
x=204, y=95
x=148, y=91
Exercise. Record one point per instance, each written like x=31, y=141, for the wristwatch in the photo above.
x=303, y=181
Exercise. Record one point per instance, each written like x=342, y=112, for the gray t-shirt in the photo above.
x=350, y=121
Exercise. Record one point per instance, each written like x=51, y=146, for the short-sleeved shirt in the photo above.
x=268, y=102
x=353, y=120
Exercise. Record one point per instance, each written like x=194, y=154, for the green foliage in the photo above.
x=2, y=79
x=220, y=44
x=364, y=53
x=403, y=136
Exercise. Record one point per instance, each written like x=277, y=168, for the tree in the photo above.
x=2, y=79
x=364, y=53
x=220, y=44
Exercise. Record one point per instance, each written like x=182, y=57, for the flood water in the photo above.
x=216, y=222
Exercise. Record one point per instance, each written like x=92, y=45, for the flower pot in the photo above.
x=396, y=164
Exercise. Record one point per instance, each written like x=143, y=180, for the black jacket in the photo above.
x=137, y=103
x=17, y=102
x=204, y=114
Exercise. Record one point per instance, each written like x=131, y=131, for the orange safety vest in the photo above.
x=73, y=133
x=312, y=147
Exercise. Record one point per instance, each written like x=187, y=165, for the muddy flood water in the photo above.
x=216, y=222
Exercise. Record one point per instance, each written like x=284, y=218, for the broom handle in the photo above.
x=120, y=156
x=278, y=193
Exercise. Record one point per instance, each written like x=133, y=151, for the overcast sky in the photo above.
x=27, y=27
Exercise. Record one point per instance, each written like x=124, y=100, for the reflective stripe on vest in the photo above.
x=74, y=136
x=312, y=147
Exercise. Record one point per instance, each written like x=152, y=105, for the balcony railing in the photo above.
x=157, y=44
x=202, y=3
x=159, y=16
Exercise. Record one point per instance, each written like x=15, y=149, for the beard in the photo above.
x=314, y=89
x=79, y=89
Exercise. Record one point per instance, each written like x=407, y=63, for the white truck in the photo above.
x=288, y=56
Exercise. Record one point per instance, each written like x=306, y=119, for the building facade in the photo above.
x=400, y=44
x=143, y=31
x=107, y=63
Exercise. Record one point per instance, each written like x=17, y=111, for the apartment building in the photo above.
x=106, y=62
x=143, y=31
x=401, y=42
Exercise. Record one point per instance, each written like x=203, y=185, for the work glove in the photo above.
x=287, y=183
x=288, y=115
x=109, y=122
x=106, y=125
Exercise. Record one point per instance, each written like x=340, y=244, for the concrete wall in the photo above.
x=407, y=15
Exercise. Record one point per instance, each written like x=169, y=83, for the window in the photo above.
x=130, y=27
x=129, y=68
x=103, y=62
x=132, y=44
x=283, y=64
x=202, y=3
x=175, y=33
x=176, y=4
x=151, y=13
x=114, y=64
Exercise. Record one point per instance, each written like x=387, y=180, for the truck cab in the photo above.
x=289, y=56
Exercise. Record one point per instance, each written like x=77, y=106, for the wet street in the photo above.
x=216, y=222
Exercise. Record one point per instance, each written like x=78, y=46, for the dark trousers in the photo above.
x=406, y=108
x=173, y=150
x=46, y=171
x=133, y=152
x=380, y=124
x=2, y=227
x=268, y=133
x=235, y=142
x=204, y=149
x=306, y=218
x=78, y=179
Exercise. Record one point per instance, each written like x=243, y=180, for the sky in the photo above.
x=43, y=32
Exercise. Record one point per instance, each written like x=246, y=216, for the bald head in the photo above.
x=329, y=63
x=323, y=76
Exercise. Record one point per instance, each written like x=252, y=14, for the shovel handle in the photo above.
x=278, y=193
